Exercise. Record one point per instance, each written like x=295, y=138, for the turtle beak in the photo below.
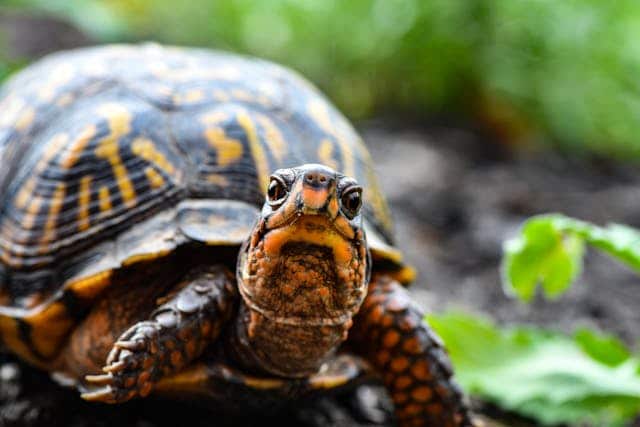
x=317, y=193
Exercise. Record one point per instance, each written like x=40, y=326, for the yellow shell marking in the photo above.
x=32, y=212
x=78, y=146
x=228, y=150
x=11, y=107
x=89, y=287
x=104, y=198
x=374, y=196
x=214, y=117
x=119, y=125
x=57, y=77
x=220, y=95
x=84, y=198
x=347, y=158
x=26, y=192
x=51, y=326
x=190, y=96
x=259, y=156
x=273, y=137
x=155, y=179
x=11, y=337
x=319, y=111
x=25, y=119
x=55, y=207
x=325, y=154
x=241, y=95
x=216, y=179
x=146, y=149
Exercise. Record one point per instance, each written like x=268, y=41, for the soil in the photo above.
x=455, y=196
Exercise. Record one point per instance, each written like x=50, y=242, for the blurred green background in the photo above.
x=534, y=72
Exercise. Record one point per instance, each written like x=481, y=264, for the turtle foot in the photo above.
x=133, y=366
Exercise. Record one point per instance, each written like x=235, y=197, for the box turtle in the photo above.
x=193, y=223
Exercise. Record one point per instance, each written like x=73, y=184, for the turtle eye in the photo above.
x=351, y=201
x=277, y=191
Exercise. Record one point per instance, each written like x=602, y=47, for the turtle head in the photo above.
x=306, y=261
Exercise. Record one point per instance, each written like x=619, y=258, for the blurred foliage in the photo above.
x=564, y=72
x=549, y=252
x=368, y=55
x=583, y=380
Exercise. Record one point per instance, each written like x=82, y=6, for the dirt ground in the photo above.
x=455, y=197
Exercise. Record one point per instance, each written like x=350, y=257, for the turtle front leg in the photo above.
x=390, y=332
x=176, y=333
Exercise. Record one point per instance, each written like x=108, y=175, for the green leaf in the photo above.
x=605, y=349
x=541, y=254
x=549, y=251
x=543, y=374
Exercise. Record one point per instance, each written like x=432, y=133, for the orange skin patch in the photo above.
x=314, y=198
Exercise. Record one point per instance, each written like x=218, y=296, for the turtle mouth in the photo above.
x=332, y=222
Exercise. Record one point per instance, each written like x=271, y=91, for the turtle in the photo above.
x=188, y=222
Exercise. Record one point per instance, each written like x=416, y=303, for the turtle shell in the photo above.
x=120, y=154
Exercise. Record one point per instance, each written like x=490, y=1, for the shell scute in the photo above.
x=120, y=135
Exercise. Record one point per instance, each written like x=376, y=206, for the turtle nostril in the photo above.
x=316, y=179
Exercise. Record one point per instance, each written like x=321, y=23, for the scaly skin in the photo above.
x=176, y=333
x=391, y=334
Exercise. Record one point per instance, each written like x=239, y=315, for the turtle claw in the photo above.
x=131, y=367
x=115, y=367
x=130, y=345
x=104, y=394
x=99, y=380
